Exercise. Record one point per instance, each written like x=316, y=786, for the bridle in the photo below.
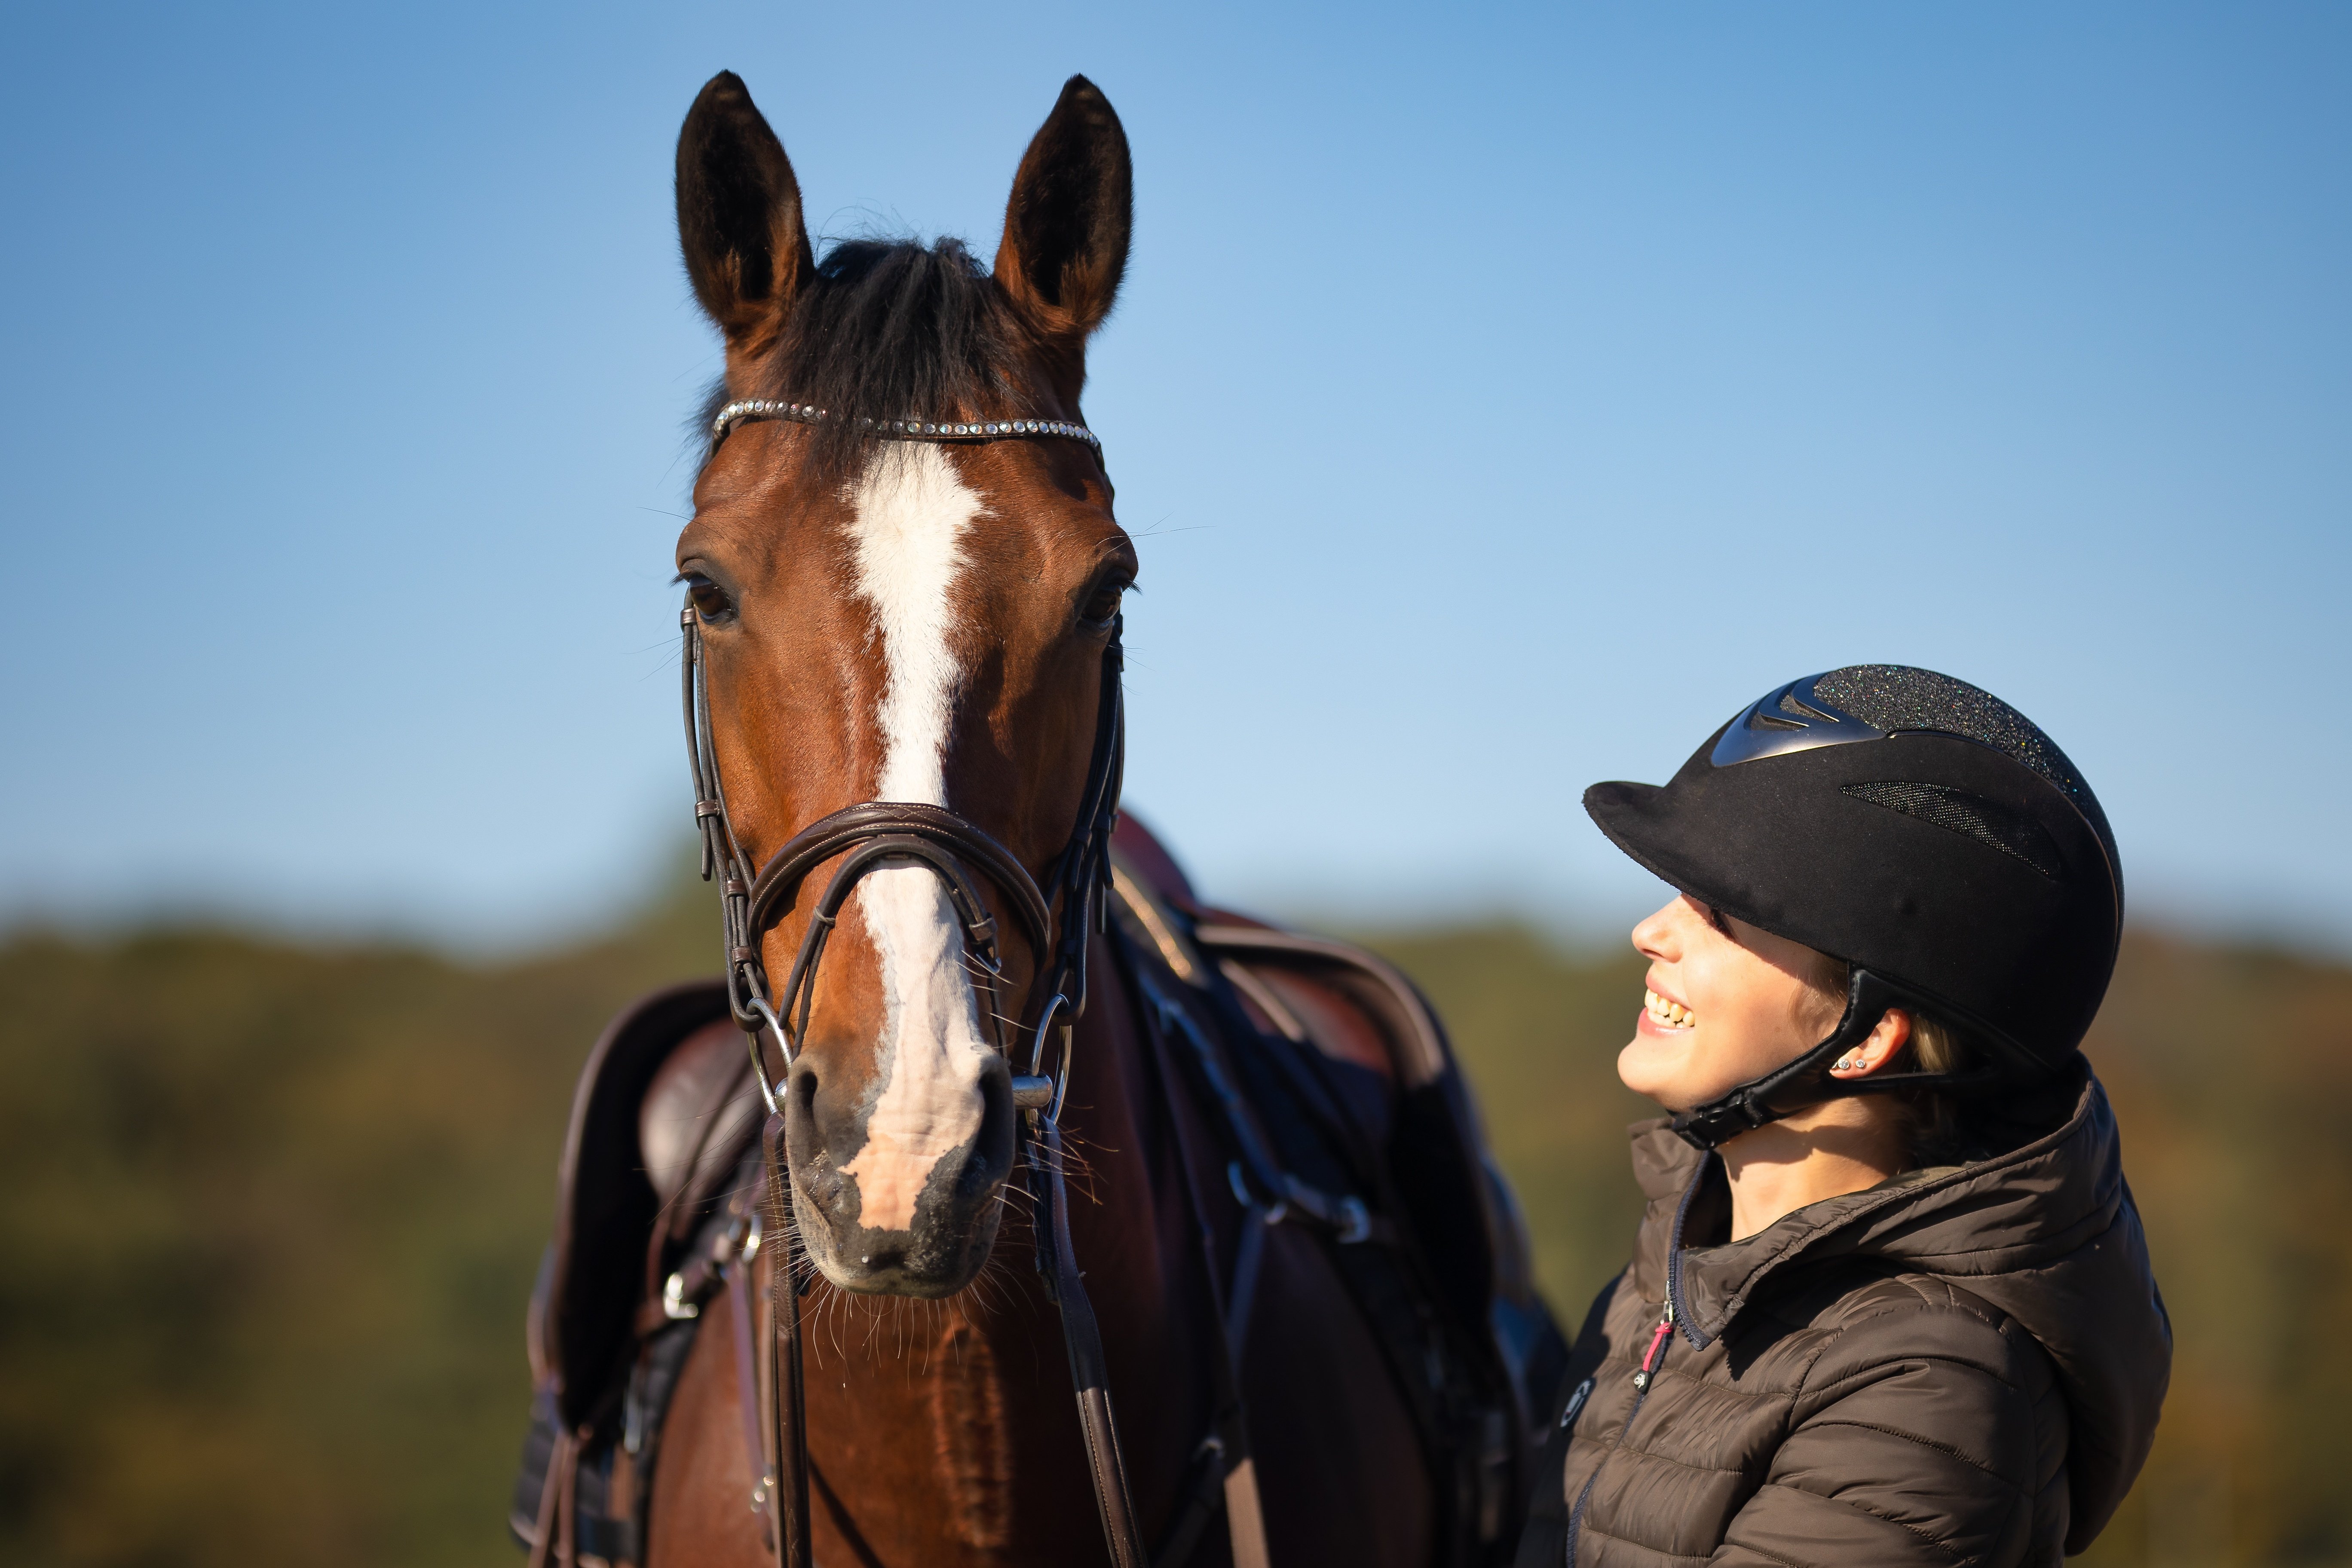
x=876, y=832
x=1058, y=916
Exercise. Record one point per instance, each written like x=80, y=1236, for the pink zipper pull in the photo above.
x=1657, y=1344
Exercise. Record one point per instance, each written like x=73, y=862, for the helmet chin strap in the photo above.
x=1806, y=1081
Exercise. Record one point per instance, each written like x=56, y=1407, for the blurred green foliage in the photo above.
x=270, y=1212
x=268, y=1217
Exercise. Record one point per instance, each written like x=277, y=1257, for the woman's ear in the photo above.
x=739, y=219
x=1067, y=226
x=1879, y=1048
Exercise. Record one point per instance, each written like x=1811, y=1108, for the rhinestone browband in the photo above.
x=902, y=429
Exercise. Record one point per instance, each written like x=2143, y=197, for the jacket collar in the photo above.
x=2039, y=1201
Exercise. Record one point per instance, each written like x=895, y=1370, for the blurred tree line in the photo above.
x=269, y=1214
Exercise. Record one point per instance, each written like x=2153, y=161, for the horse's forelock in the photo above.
x=892, y=329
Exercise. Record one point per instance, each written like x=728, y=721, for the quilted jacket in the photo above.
x=1960, y=1366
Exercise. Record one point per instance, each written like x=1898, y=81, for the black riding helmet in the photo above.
x=1922, y=830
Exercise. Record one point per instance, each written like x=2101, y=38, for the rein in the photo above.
x=868, y=835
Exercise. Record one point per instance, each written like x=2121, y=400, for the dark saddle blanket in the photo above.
x=1350, y=1088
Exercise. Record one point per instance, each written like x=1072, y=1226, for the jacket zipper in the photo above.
x=1652, y=1358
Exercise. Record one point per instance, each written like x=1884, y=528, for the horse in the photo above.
x=1000, y=1030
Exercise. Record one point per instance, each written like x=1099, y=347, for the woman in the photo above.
x=1890, y=1302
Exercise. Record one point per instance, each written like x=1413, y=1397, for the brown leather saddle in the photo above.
x=1336, y=1097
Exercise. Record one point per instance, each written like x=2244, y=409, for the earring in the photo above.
x=1847, y=1064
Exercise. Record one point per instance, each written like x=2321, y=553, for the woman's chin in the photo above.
x=1660, y=1065
x=1653, y=1067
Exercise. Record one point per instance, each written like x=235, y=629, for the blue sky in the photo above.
x=1502, y=397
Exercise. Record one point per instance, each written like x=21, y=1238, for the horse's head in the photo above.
x=903, y=621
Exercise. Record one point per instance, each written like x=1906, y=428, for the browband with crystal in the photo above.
x=901, y=429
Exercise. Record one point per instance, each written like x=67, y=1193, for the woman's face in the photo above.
x=1728, y=1002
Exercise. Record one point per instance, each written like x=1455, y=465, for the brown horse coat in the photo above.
x=936, y=626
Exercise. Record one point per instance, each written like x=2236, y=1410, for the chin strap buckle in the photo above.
x=1718, y=1122
x=1805, y=1081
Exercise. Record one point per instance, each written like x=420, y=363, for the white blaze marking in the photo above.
x=912, y=511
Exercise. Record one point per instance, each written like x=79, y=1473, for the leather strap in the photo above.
x=752, y=1399
x=867, y=852
x=788, y=867
x=1082, y=1336
x=787, y=1403
x=553, y=1547
x=1227, y=1445
x=1346, y=1216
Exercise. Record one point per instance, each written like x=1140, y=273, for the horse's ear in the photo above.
x=1065, y=229
x=739, y=217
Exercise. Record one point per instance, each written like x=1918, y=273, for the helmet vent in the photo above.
x=1958, y=811
x=1789, y=703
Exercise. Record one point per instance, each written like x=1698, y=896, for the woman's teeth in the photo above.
x=1668, y=1015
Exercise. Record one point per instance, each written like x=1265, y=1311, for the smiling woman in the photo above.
x=1758, y=1002
x=1891, y=1303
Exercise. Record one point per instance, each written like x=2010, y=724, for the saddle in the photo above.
x=1337, y=1103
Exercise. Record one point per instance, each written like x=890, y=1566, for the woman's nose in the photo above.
x=1653, y=938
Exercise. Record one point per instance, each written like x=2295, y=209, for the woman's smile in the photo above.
x=1754, y=990
x=1663, y=1015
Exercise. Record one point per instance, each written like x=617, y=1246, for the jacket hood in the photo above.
x=2046, y=1233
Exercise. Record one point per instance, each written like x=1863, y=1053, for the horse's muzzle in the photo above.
x=945, y=1243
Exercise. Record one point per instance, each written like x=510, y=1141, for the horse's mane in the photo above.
x=893, y=330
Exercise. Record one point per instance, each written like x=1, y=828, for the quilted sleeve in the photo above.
x=1925, y=1432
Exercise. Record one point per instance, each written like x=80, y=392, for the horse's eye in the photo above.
x=710, y=600
x=1102, y=604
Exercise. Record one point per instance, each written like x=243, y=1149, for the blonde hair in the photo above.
x=1937, y=1046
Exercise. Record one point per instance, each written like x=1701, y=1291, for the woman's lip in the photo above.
x=1646, y=1025
x=1657, y=990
